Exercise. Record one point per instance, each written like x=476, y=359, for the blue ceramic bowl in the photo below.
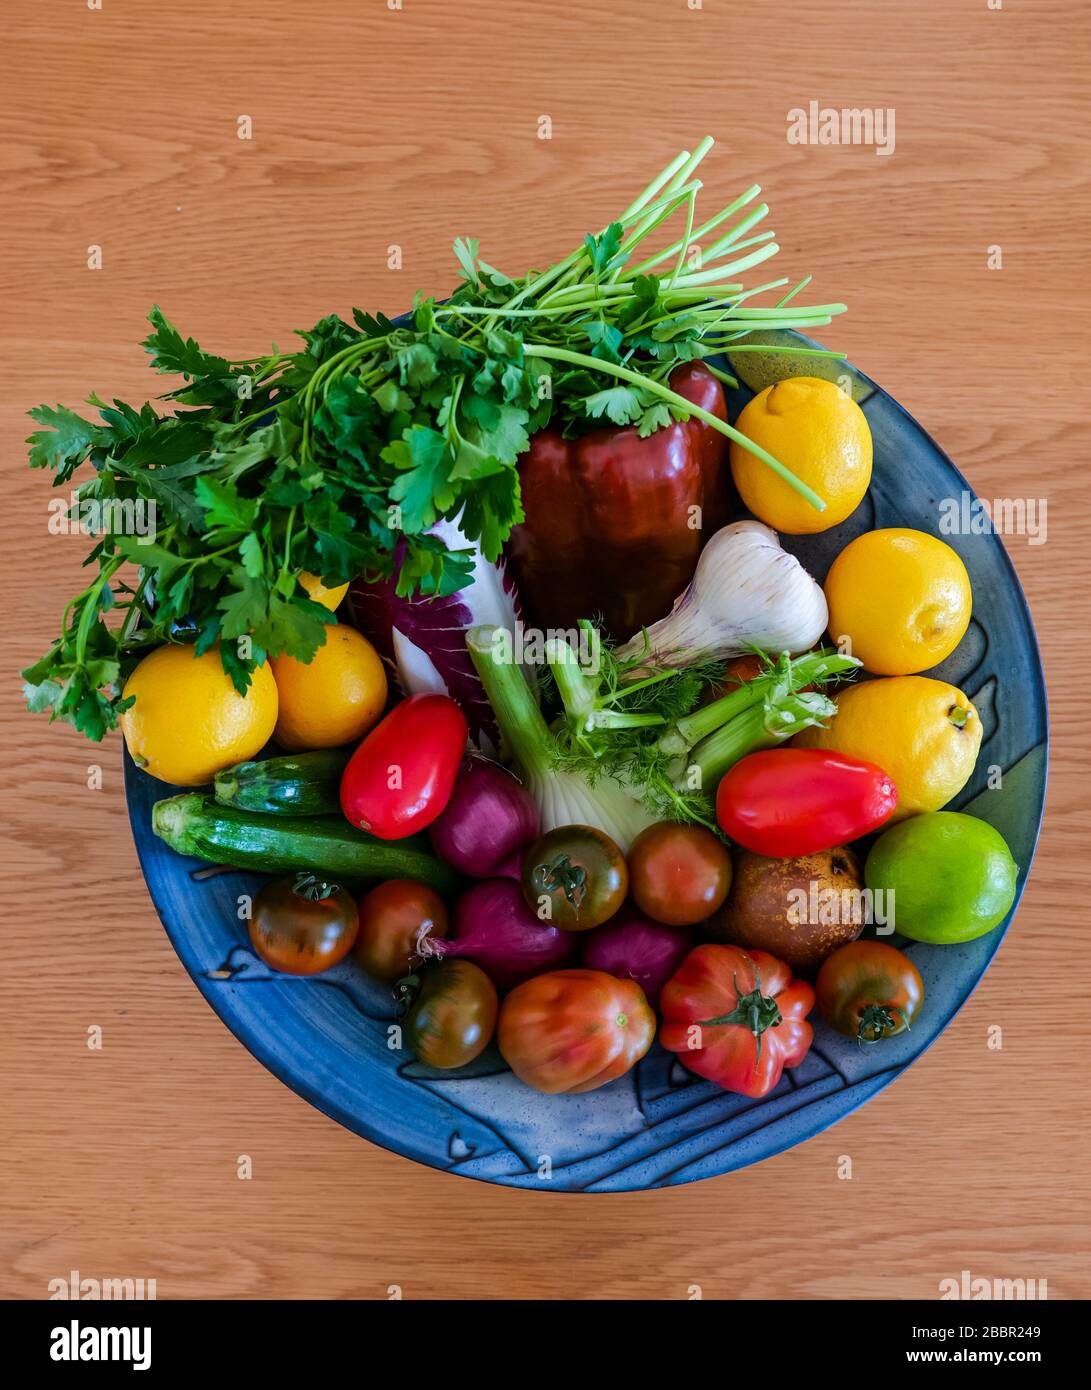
x=327, y=1037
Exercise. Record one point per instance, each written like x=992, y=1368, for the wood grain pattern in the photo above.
x=374, y=127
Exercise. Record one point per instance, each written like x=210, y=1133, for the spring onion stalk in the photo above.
x=761, y=726
x=563, y=797
x=788, y=675
x=618, y=721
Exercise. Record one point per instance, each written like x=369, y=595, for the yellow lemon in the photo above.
x=923, y=732
x=189, y=722
x=332, y=699
x=316, y=590
x=901, y=597
x=822, y=435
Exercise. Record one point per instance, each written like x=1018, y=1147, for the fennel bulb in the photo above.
x=562, y=797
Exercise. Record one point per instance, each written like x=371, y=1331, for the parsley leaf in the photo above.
x=170, y=352
x=224, y=508
x=64, y=443
x=424, y=491
x=621, y=404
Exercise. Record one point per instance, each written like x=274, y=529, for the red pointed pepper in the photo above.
x=401, y=776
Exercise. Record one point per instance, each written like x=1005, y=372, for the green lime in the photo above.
x=952, y=876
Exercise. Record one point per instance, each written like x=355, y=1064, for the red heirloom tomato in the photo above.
x=678, y=874
x=787, y=802
x=393, y=918
x=736, y=1017
x=399, y=779
x=869, y=990
x=301, y=925
x=574, y=1030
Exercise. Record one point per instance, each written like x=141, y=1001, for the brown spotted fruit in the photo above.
x=799, y=910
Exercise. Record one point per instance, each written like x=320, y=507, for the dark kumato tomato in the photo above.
x=869, y=991
x=678, y=874
x=453, y=1017
x=393, y=917
x=574, y=877
x=303, y=925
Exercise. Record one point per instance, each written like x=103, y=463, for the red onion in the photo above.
x=493, y=926
x=633, y=947
x=489, y=819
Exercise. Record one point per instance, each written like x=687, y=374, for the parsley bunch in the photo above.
x=338, y=458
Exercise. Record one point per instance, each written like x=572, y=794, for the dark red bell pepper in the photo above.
x=615, y=523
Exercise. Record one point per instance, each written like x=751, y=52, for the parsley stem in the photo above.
x=288, y=542
x=334, y=365
x=699, y=277
x=665, y=205
x=212, y=555
x=686, y=239
x=656, y=184
x=597, y=364
x=136, y=606
x=91, y=604
x=259, y=414
x=794, y=291
x=725, y=377
x=679, y=182
x=713, y=222
x=785, y=347
x=731, y=239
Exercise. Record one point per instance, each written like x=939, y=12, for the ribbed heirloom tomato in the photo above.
x=736, y=1017
x=574, y=1030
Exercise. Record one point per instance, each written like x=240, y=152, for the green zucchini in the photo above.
x=197, y=825
x=302, y=784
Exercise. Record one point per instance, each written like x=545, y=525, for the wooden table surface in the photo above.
x=375, y=126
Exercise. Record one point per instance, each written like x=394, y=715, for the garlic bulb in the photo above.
x=747, y=592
